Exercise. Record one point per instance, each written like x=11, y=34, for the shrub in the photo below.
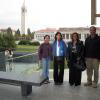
x=27, y=42
x=24, y=42
x=36, y=43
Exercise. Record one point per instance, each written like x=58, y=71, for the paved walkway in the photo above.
x=52, y=92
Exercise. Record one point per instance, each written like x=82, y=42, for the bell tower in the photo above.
x=23, y=19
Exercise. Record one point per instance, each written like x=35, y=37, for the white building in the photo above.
x=39, y=35
x=82, y=31
x=66, y=33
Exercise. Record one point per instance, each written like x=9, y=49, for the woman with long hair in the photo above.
x=75, y=52
x=59, y=53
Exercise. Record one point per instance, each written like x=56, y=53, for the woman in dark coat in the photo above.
x=75, y=52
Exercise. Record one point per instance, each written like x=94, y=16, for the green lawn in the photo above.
x=26, y=48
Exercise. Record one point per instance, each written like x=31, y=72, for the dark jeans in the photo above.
x=58, y=69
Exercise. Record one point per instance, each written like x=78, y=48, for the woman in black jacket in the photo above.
x=75, y=52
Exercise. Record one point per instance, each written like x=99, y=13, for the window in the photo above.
x=79, y=36
x=63, y=36
x=67, y=36
x=86, y=35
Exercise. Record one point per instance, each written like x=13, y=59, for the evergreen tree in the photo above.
x=29, y=31
x=17, y=35
x=9, y=30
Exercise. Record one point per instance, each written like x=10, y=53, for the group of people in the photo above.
x=59, y=51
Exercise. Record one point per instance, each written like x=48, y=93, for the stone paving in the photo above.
x=52, y=92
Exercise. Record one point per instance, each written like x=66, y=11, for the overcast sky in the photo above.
x=46, y=13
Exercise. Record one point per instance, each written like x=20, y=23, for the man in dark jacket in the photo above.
x=92, y=54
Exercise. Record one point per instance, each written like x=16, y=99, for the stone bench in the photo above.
x=26, y=81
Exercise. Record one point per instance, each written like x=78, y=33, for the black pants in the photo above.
x=75, y=76
x=58, y=69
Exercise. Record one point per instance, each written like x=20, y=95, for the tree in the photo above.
x=1, y=40
x=9, y=30
x=29, y=35
x=29, y=31
x=18, y=32
x=23, y=37
x=33, y=35
x=17, y=35
x=7, y=40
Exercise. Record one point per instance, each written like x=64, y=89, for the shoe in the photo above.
x=87, y=84
x=94, y=85
x=46, y=82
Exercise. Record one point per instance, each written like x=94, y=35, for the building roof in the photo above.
x=47, y=30
x=76, y=29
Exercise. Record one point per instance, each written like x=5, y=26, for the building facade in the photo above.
x=82, y=31
x=66, y=33
x=39, y=35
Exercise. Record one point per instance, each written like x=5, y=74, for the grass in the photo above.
x=26, y=48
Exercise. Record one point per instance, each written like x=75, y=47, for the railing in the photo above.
x=22, y=67
x=22, y=56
